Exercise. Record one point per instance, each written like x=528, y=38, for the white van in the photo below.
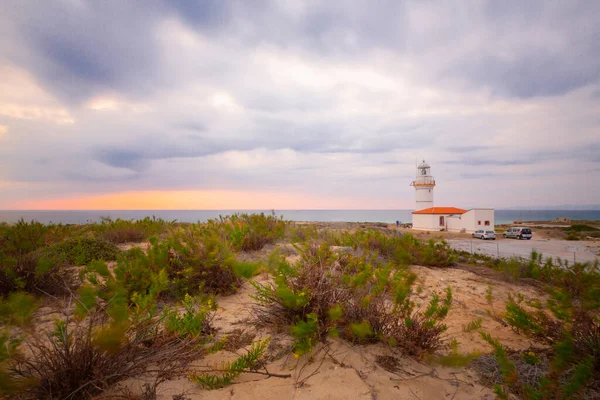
x=518, y=233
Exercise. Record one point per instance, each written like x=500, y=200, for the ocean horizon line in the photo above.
x=300, y=215
x=283, y=209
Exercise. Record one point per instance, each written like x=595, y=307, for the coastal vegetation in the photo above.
x=138, y=299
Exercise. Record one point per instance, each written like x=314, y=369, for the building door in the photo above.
x=442, y=221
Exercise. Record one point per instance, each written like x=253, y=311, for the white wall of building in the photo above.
x=483, y=218
x=454, y=223
x=470, y=221
x=427, y=222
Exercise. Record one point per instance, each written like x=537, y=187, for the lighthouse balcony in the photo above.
x=424, y=182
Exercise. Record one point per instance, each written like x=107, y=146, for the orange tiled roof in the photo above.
x=441, y=210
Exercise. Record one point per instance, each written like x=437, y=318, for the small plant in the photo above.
x=230, y=370
x=196, y=319
x=454, y=358
x=17, y=309
x=489, y=295
x=473, y=325
x=531, y=358
x=507, y=367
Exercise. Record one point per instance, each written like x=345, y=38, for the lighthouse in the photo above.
x=426, y=217
x=423, y=184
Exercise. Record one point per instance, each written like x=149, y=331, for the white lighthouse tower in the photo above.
x=424, y=184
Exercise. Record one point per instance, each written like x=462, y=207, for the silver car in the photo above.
x=484, y=234
x=518, y=233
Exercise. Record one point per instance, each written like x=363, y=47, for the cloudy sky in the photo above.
x=258, y=104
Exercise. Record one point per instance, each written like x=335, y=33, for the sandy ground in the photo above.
x=580, y=251
x=342, y=370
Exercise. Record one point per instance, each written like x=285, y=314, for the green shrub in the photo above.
x=81, y=359
x=124, y=231
x=581, y=228
x=358, y=297
x=23, y=237
x=531, y=376
x=574, y=334
x=191, y=262
x=248, y=232
x=572, y=236
x=17, y=309
x=398, y=249
x=402, y=250
x=82, y=251
x=34, y=272
x=204, y=259
x=196, y=319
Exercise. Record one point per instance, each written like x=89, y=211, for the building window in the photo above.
x=478, y=222
x=487, y=223
x=441, y=221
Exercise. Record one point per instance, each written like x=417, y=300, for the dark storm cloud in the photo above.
x=539, y=73
x=467, y=149
x=205, y=14
x=80, y=49
x=77, y=50
x=537, y=48
x=120, y=158
x=574, y=154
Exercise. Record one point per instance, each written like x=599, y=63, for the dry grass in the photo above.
x=71, y=363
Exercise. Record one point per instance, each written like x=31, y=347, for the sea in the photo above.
x=388, y=216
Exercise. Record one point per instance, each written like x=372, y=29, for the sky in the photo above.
x=261, y=104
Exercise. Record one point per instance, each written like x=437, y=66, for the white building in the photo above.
x=426, y=217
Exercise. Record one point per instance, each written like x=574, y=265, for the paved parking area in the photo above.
x=581, y=251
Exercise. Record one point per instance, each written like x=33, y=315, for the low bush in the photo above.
x=572, y=236
x=81, y=359
x=124, y=231
x=81, y=251
x=401, y=249
x=35, y=273
x=17, y=309
x=361, y=298
x=538, y=374
x=205, y=260
x=191, y=262
x=569, y=324
x=247, y=232
x=581, y=228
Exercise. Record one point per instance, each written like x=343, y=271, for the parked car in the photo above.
x=483, y=234
x=518, y=233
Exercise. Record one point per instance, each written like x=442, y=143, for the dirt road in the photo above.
x=581, y=251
